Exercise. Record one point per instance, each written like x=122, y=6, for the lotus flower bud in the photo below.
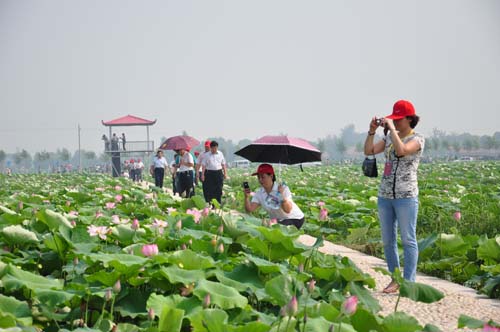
x=310, y=285
x=151, y=314
x=220, y=230
x=135, y=224
x=206, y=301
x=205, y=212
x=292, y=307
x=183, y=246
x=108, y=295
x=178, y=225
x=220, y=249
x=75, y=261
x=117, y=287
x=350, y=305
x=300, y=268
x=457, y=215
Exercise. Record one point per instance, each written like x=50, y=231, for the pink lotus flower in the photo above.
x=321, y=203
x=135, y=225
x=160, y=225
x=323, y=214
x=273, y=221
x=110, y=205
x=205, y=212
x=118, y=198
x=100, y=231
x=195, y=213
x=171, y=210
x=350, y=305
x=489, y=328
x=292, y=307
x=149, y=250
x=73, y=213
x=73, y=223
x=149, y=196
x=118, y=187
x=457, y=215
x=116, y=220
x=99, y=189
x=98, y=214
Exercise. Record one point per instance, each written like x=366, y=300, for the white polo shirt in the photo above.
x=272, y=203
x=213, y=161
x=187, y=158
x=160, y=162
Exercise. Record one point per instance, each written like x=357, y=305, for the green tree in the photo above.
x=3, y=156
x=63, y=154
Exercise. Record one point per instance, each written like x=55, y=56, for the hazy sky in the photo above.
x=243, y=69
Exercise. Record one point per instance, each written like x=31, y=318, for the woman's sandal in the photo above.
x=391, y=288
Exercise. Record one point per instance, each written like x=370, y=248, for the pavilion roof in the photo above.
x=129, y=120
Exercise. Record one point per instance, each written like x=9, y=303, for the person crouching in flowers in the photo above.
x=275, y=199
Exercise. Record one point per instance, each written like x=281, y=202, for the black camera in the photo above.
x=378, y=121
x=245, y=185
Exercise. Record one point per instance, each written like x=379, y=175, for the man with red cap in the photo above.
x=275, y=198
x=398, y=192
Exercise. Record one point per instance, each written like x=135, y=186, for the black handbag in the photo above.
x=370, y=167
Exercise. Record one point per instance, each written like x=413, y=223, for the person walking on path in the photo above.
x=398, y=191
x=275, y=198
x=159, y=166
x=213, y=173
x=185, y=173
x=199, y=166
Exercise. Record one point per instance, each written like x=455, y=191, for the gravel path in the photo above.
x=444, y=314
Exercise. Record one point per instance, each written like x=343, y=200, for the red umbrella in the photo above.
x=179, y=142
x=280, y=150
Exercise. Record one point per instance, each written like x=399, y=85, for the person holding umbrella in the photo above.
x=275, y=198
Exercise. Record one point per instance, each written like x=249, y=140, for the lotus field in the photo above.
x=92, y=253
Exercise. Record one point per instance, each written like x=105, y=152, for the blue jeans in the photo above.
x=402, y=212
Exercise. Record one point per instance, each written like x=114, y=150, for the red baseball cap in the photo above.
x=132, y=160
x=401, y=109
x=207, y=143
x=197, y=153
x=264, y=169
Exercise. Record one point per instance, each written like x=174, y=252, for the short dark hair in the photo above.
x=413, y=120
x=213, y=143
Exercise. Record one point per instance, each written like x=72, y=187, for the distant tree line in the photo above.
x=348, y=145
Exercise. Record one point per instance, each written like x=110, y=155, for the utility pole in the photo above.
x=79, y=151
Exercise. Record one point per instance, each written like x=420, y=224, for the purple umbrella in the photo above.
x=179, y=142
x=280, y=150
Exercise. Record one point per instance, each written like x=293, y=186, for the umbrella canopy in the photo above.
x=179, y=142
x=280, y=150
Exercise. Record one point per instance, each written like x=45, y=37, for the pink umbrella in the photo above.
x=179, y=142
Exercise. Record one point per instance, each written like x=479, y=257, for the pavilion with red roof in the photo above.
x=132, y=147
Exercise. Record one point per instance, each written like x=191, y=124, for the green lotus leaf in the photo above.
x=249, y=327
x=319, y=324
x=17, y=234
x=400, y=322
x=9, y=217
x=13, y=310
x=263, y=265
x=53, y=219
x=177, y=275
x=170, y=319
x=364, y=321
x=470, y=322
x=242, y=277
x=489, y=250
x=364, y=296
x=107, y=278
x=191, y=305
x=53, y=298
x=215, y=320
x=281, y=289
x=133, y=304
x=325, y=310
x=122, y=262
x=126, y=235
x=452, y=245
x=420, y=292
x=191, y=260
x=16, y=278
x=223, y=296
x=274, y=251
x=126, y=327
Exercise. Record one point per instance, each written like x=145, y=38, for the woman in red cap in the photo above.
x=398, y=192
x=275, y=199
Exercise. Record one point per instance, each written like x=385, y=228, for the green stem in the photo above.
x=87, y=310
x=288, y=322
x=397, y=302
x=112, y=306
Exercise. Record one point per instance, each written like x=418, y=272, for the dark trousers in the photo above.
x=212, y=186
x=185, y=183
x=296, y=222
x=159, y=174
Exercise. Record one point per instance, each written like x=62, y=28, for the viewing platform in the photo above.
x=131, y=147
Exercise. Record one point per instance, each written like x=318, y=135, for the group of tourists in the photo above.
x=113, y=143
x=397, y=195
x=209, y=168
x=134, y=168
